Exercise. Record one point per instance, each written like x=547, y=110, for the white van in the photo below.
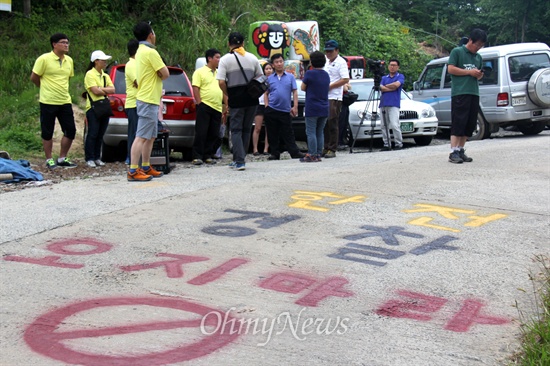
x=514, y=91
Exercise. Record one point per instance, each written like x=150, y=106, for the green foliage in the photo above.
x=184, y=29
x=536, y=331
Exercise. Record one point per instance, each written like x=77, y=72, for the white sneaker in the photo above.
x=91, y=164
x=99, y=163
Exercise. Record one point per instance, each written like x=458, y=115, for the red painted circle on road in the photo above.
x=43, y=338
x=60, y=247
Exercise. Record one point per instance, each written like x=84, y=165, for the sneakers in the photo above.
x=465, y=157
x=455, y=157
x=240, y=166
x=197, y=162
x=209, y=161
x=330, y=154
x=91, y=164
x=398, y=147
x=138, y=176
x=152, y=172
x=385, y=148
x=98, y=162
x=50, y=163
x=66, y=163
x=232, y=165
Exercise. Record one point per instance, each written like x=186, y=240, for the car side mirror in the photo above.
x=417, y=86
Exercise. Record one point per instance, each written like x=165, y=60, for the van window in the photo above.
x=490, y=72
x=522, y=67
x=431, y=79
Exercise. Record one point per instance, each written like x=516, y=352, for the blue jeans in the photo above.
x=240, y=123
x=315, y=134
x=94, y=137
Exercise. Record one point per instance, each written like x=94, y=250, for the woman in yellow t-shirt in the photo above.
x=98, y=84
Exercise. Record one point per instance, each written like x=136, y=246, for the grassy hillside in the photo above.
x=184, y=28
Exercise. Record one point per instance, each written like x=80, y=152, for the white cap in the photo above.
x=99, y=55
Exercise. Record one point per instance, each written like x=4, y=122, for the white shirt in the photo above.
x=337, y=69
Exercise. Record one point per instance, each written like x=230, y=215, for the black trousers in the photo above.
x=279, y=127
x=207, y=132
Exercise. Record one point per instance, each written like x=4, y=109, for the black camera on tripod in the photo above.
x=377, y=68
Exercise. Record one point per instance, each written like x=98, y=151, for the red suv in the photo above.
x=178, y=111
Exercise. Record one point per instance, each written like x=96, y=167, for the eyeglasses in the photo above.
x=64, y=42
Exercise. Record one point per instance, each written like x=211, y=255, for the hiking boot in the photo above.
x=465, y=157
x=455, y=158
x=91, y=164
x=152, y=172
x=66, y=163
x=197, y=162
x=330, y=154
x=138, y=176
x=50, y=163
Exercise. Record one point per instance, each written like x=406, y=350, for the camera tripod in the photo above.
x=375, y=95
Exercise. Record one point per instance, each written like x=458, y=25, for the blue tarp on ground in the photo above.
x=20, y=169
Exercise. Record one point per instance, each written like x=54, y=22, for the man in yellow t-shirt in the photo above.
x=131, y=91
x=208, y=97
x=150, y=72
x=51, y=73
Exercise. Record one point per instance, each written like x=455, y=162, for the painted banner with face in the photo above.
x=304, y=39
x=268, y=38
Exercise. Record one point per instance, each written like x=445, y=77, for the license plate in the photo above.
x=164, y=109
x=407, y=127
x=519, y=101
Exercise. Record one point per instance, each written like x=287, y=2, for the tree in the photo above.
x=27, y=8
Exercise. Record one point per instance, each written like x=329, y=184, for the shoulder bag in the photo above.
x=102, y=107
x=255, y=87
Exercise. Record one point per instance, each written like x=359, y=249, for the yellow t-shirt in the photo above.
x=54, y=78
x=95, y=78
x=148, y=62
x=205, y=79
x=131, y=90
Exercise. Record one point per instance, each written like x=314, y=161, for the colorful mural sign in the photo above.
x=305, y=39
x=268, y=38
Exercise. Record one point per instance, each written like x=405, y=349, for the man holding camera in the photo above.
x=390, y=102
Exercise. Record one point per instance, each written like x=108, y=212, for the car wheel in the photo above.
x=532, y=128
x=482, y=131
x=423, y=140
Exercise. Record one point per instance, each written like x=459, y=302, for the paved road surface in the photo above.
x=397, y=258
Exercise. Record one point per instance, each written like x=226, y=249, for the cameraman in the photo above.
x=390, y=102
